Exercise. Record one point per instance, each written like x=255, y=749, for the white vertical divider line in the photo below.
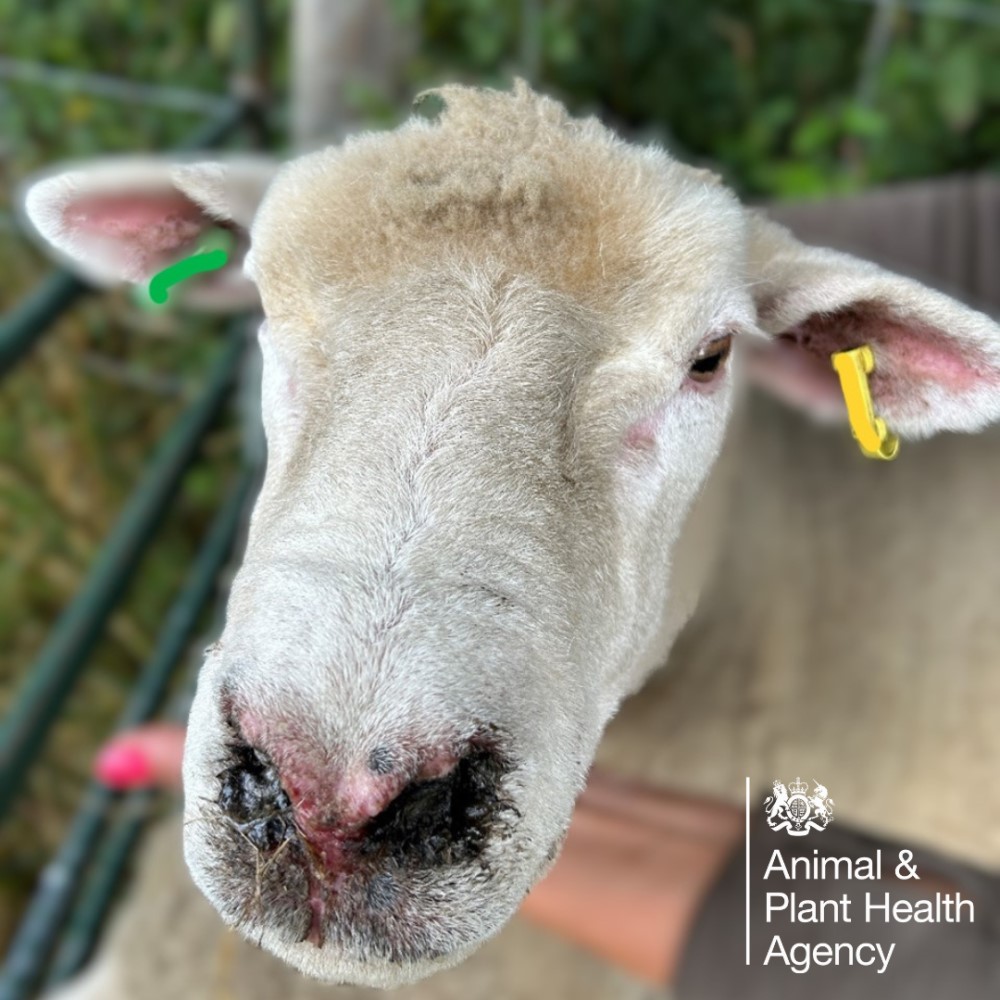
x=747, y=837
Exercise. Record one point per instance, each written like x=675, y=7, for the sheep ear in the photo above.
x=126, y=218
x=937, y=362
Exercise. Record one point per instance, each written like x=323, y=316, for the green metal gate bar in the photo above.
x=85, y=923
x=95, y=898
x=76, y=890
x=97, y=895
x=60, y=881
x=28, y=321
x=50, y=678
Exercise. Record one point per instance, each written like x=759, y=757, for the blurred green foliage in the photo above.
x=184, y=44
x=769, y=91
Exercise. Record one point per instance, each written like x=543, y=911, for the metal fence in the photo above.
x=63, y=920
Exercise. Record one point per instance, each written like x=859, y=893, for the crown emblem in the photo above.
x=798, y=811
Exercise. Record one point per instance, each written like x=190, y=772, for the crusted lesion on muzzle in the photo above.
x=252, y=797
x=365, y=891
x=446, y=820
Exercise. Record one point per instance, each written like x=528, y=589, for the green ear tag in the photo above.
x=212, y=253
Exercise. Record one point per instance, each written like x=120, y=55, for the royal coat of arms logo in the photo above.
x=795, y=809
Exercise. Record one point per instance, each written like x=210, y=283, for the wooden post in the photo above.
x=336, y=43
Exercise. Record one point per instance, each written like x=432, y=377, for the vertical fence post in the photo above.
x=335, y=46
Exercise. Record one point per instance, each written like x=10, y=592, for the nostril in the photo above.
x=446, y=819
x=251, y=794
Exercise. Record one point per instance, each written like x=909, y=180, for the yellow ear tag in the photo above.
x=871, y=433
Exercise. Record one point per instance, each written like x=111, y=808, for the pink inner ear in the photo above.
x=913, y=350
x=909, y=356
x=140, y=231
x=921, y=352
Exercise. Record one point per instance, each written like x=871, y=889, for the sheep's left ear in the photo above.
x=937, y=362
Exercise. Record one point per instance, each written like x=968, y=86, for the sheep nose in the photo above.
x=436, y=813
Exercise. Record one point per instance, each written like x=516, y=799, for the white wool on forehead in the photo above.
x=504, y=178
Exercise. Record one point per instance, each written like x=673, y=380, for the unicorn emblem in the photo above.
x=821, y=803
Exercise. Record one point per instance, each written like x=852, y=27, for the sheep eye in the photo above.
x=712, y=359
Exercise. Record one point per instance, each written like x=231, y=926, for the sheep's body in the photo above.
x=850, y=635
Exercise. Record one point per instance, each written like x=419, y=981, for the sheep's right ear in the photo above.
x=126, y=218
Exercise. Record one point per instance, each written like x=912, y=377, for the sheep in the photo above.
x=511, y=472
